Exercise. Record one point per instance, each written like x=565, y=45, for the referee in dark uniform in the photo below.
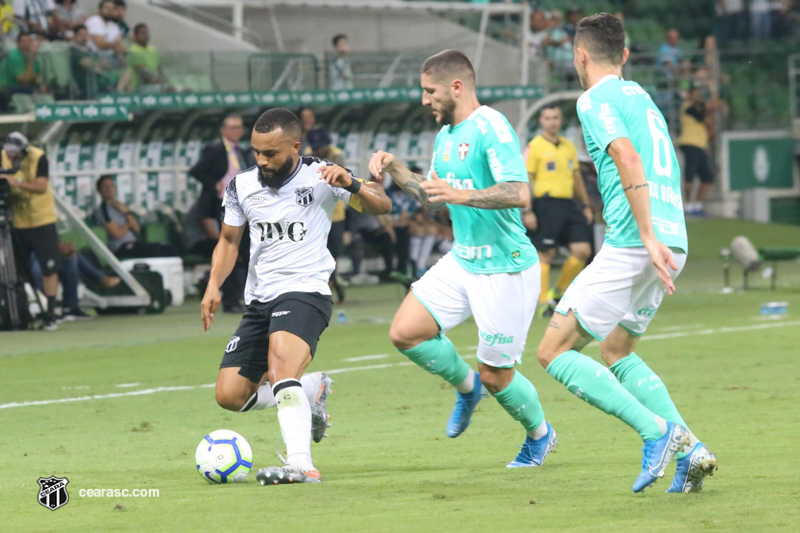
x=556, y=218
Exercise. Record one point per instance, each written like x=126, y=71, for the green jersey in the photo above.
x=615, y=108
x=477, y=153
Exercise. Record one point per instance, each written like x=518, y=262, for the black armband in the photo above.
x=354, y=187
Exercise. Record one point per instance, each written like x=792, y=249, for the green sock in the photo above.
x=520, y=400
x=647, y=387
x=589, y=380
x=438, y=356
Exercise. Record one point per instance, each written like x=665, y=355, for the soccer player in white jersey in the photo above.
x=615, y=298
x=287, y=200
x=492, y=271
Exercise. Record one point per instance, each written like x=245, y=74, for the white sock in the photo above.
x=468, y=385
x=264, y=399
x=294, y=417
x=539, y=432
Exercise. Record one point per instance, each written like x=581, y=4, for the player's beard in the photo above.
x=447, y=112
x=275, y=179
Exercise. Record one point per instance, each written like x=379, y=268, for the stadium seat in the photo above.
x=22, y=103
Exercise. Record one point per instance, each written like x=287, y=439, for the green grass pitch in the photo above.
x=387, y=465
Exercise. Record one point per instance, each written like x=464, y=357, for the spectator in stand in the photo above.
x=105, y=37
x=731, y=20
x=693, y=143
x=7, y=26
x=760, y=20
x=670, y=54
x=313, y=135
x=120, y=12
x=220, y=161
x=340, y=73
x=91, y=73
x=403, y=215
x=146, y=74
x=122, y=226
x=620, y=16
x=70, y=17
x=20, y=71
x=574, y=14
x=37, y=16
x=378, y=230
x=558, y=48
x=539, y=26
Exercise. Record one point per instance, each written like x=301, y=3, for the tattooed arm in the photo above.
x=405, y=179
x=503, y=195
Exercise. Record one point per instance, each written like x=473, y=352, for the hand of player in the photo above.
x=335, y=175
x=589, y=214
x=208, y=307
x=439, y=190
x=10, y=179
x=662, y=259
x=529, y=221
x=379, y=163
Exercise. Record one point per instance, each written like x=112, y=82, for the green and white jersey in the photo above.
x=477, y=153
x=615, y=108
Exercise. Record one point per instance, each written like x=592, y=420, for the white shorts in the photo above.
x=620, y=287
x=502, y=304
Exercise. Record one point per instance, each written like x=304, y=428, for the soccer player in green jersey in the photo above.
x=615, y=298
x=492, y=272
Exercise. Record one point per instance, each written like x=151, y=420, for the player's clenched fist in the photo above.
x=380, y=162
x=335, y=175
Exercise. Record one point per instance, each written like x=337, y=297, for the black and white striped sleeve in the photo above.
x=232, y=212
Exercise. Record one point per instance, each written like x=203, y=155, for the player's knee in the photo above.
x=400, y=337
x=546, y=354
x=582, y=253
x=495, y=380
x=231, y=402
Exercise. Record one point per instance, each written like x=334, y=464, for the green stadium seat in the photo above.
x=22, y=103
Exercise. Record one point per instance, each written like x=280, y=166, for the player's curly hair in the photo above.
x=279, y=118
x=449, y=65
x=603, y=36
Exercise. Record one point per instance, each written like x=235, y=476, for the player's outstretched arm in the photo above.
x=370, y=195
x=503, y=195
x=222, y=262
x=634, y=184
x=409, y=181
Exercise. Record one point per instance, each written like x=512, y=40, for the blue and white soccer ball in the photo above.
x=223, y=456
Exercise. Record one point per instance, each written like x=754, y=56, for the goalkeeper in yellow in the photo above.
x=557, y=218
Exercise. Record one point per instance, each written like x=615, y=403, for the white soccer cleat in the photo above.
x=320, y=419
x=286, y=475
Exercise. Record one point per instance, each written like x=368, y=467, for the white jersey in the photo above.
x=289, y=230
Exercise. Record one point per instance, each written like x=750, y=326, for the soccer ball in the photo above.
x=223, y=456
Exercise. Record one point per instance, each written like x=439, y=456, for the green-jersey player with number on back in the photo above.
x=615, y=298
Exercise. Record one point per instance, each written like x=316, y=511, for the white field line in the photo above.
x=366, y=358
x=677, y=334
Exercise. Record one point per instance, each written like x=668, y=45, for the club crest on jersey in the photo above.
x=304, y=196
x=448, y=147
x=462, y=150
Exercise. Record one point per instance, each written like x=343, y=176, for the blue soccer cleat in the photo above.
x=693, y=469
x=533, y=451
x=656, y=455
x=465, y=406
